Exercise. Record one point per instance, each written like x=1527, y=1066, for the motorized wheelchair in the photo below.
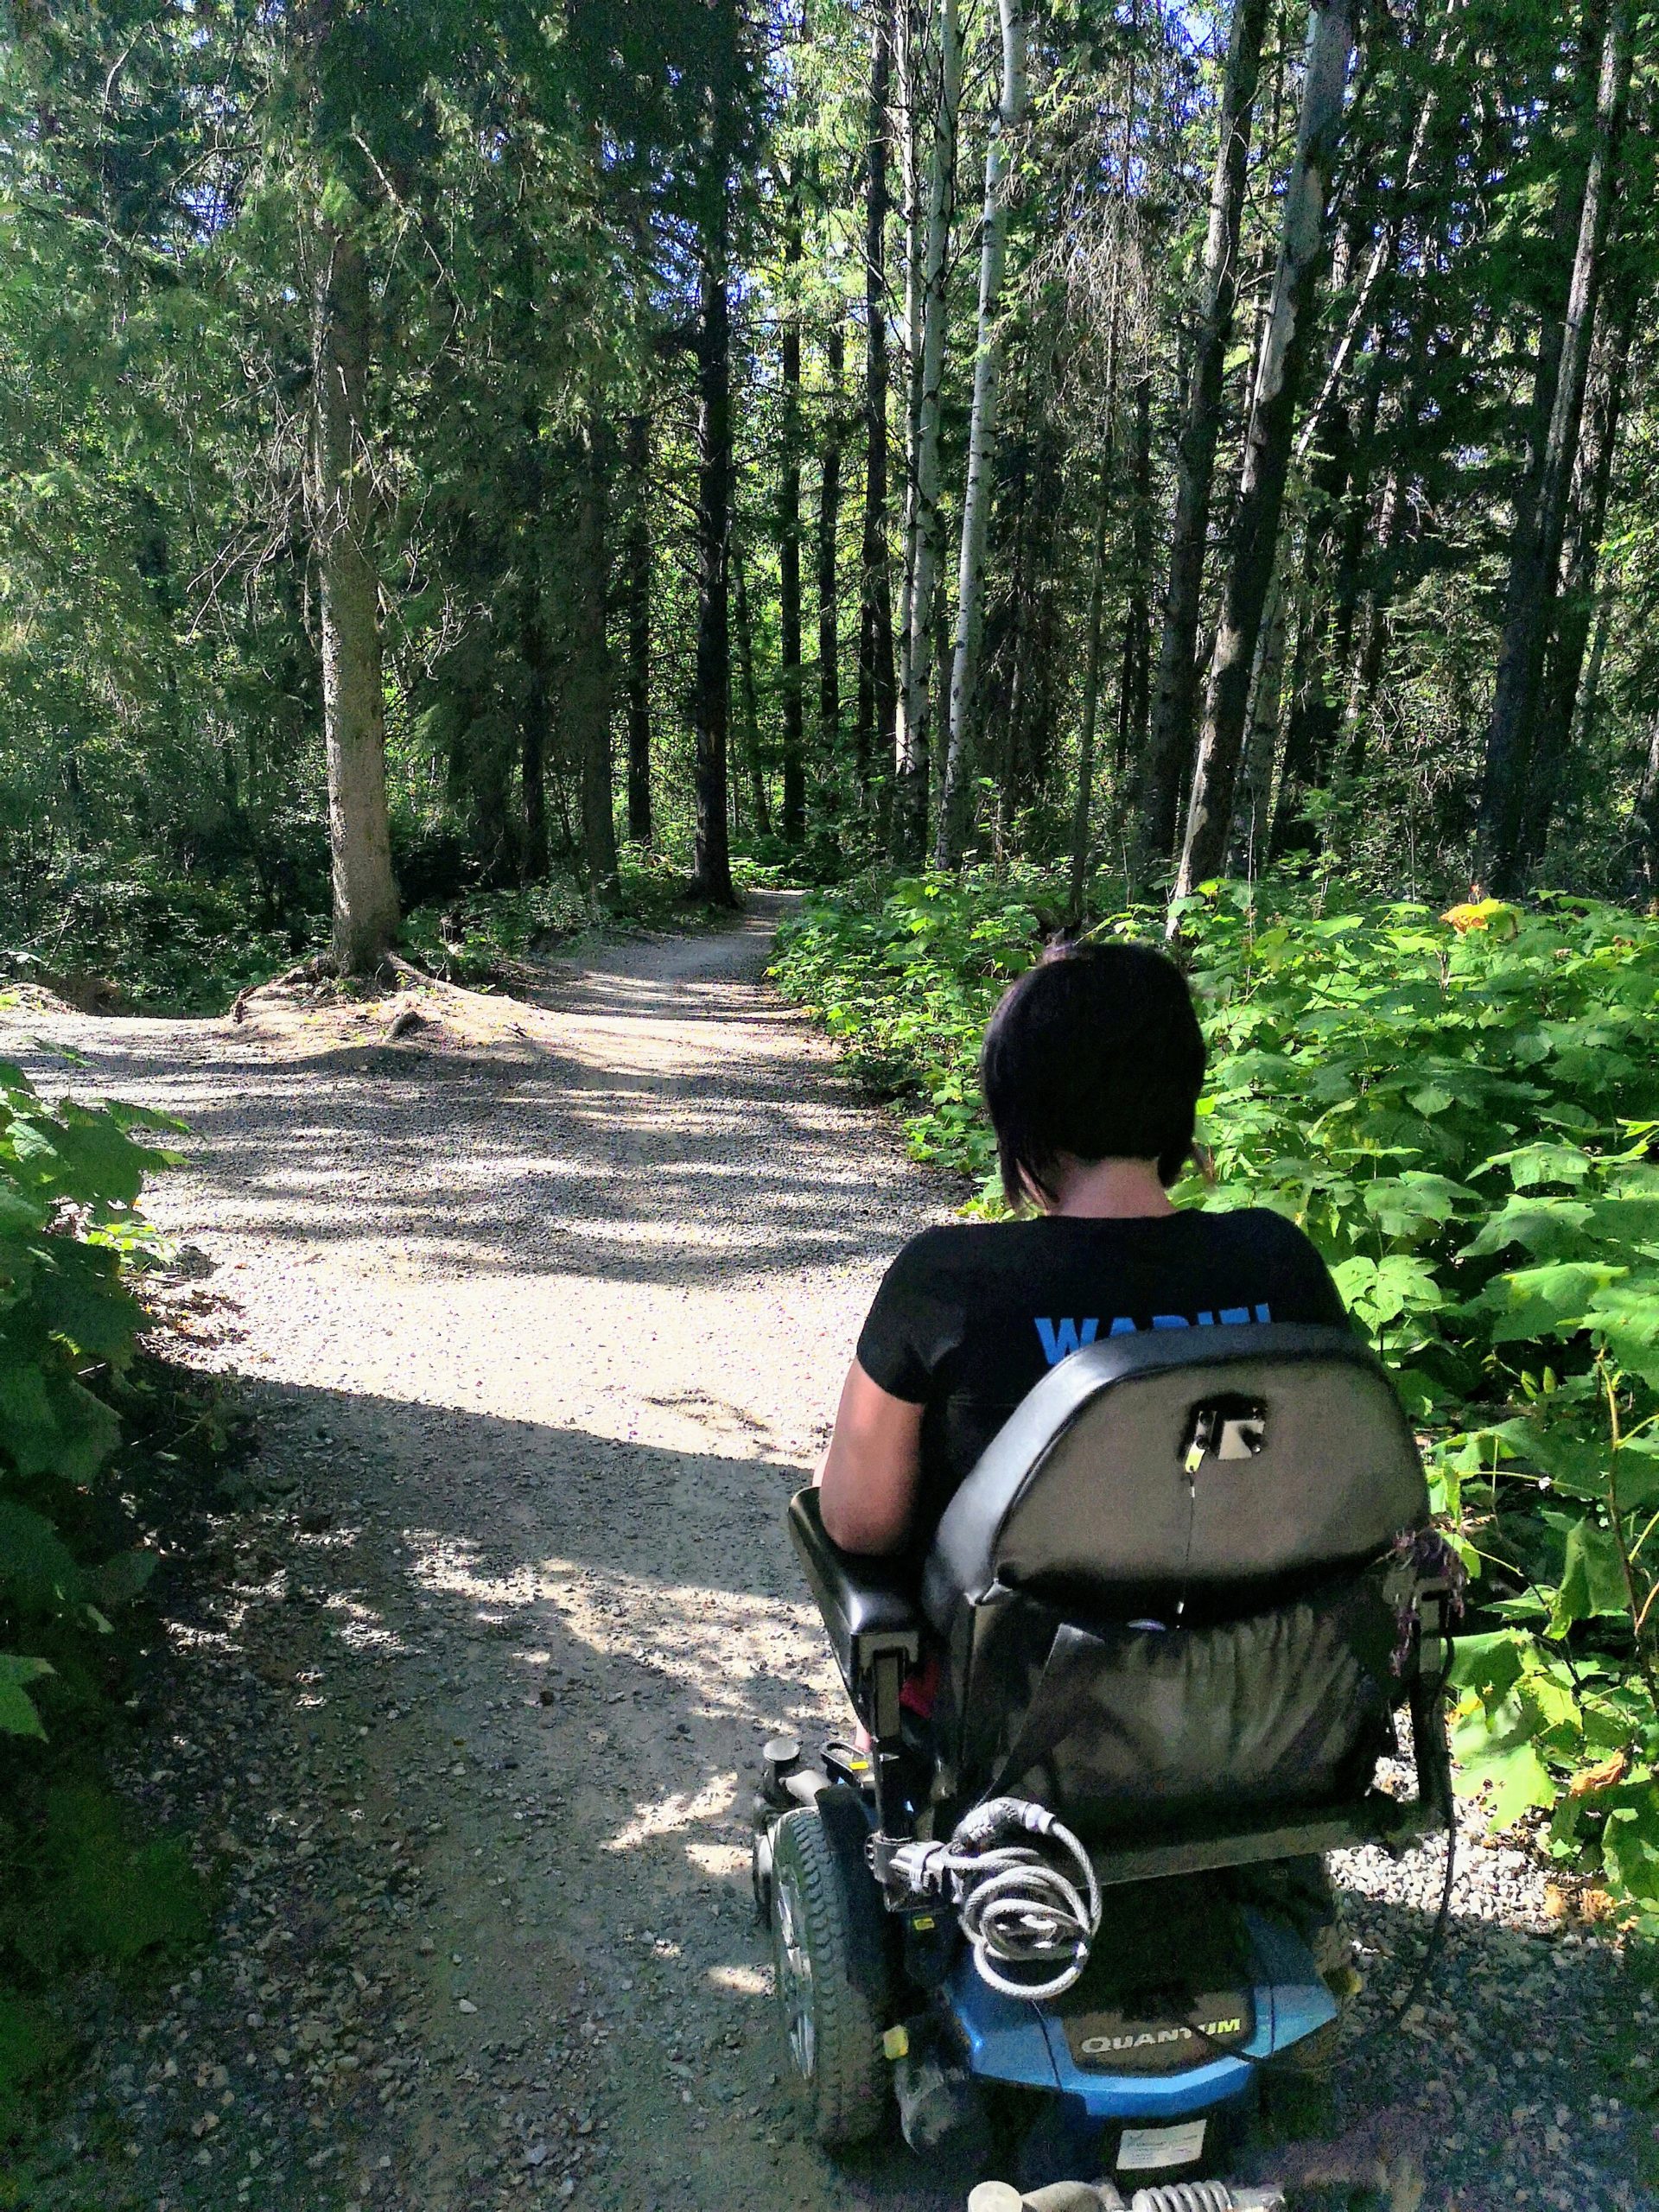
x=1174, y=1613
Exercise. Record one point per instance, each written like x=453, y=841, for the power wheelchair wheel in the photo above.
x=1326, y=1932
x=827, y=1944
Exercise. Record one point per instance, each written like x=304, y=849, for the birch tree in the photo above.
x=1268, y=444
x=1535, y=561
x=835, y=354
x=982, y=436
x=793, y=819
x=1591, y=482
x=637, y=596
x=922, y=545
x=711, y=868
x=588, y=680
x=874, y=717
x=1175, y=693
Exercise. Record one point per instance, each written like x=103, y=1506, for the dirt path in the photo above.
x=539, y=1338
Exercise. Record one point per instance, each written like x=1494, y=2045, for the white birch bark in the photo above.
x=911, y=69
x=909, y=795
x=982, y=436
x=1267, y=448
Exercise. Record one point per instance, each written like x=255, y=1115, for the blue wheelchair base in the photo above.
x=1006, y=2040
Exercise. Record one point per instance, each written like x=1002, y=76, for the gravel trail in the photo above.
x=539, y=1333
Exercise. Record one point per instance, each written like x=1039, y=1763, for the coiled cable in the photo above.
x=1186, y=2196
x=1029, y=1917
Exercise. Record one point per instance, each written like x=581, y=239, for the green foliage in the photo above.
x=87, y=1889
x=138, y=938
x=472, y=940
x=69, y=1182
x=486, y=936
x=75, y=1886
x=1460, y=1111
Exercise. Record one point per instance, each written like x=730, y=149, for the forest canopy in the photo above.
x=447, y=447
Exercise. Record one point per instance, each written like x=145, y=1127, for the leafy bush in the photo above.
x=74, y=1885
x=168, y=944
x=470, y=940
x=69, y=1181
x=1462, y=1111
x=484, y=935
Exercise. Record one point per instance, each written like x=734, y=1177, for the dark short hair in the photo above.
x=1095, y=1053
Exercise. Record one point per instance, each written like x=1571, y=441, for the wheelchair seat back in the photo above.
x=1162, y=1589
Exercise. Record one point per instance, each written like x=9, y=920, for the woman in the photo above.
x=1091, y=1069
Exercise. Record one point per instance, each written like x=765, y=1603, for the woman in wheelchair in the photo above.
x=1119, y=1542
x=1091, y=1070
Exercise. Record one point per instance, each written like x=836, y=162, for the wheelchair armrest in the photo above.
x=868, y=1610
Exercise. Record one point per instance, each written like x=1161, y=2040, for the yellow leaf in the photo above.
x=1494, y=914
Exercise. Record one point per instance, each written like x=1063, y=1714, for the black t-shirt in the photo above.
x=969, y=1317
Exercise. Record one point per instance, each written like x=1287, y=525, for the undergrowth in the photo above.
x=97, y=1447
x=143, y=941
x=479, y=938
x=1463, y=1112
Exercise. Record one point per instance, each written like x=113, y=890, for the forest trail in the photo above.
x=538, y=1339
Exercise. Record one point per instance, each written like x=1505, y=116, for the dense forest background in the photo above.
x=444, y=447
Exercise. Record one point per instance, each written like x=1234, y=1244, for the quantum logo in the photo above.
x=1148, y=2038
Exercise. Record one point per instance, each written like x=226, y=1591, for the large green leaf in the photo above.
x=1499, y=1750
x=1407, y=1204
x=37, y=1568
x=1630, y=1846
x=18, y=1713
x=1532, y=1166
x=1625, y=1316
x=117, y=1581
x=1592, y=1579
x=1550, y=1229
x=1549, y=1301
x=1380, y=1291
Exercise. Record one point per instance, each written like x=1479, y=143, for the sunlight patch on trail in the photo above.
x=719, y=1643
x=679, y=1809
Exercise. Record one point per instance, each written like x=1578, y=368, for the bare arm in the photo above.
x=870, y=1471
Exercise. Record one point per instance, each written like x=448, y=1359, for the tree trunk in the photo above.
x=789, y=551
x=981, y=439
x=637, y=559
x=1135, y=680
x=1644, y=825
x=711, y=868
x=1083, y=812
x=341, y=522
x=1367, y=672
x=1331, y=555
x=922, y=553
x=759, y=806
x=914, y=99
x=1248, y=838
x=1377, y=281
x=1268, y=444
x=588, y=684
x=829, y=584
x=1175, y=697
x=535, y=729
x=1592, y=481
x=1535, y=563
x=872, y=733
